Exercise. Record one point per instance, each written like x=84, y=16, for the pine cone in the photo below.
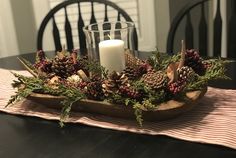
x=131, y=60
x=94, y=89
x=114, y=81
x=193, y=60
x=155, y=79
x=63, y=65
x=82, y=64
x=144, y=68
x=135, y=72
x=185, y=73
x=131, y=72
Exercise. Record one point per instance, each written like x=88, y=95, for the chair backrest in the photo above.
x=202, y=29
x=80, y=23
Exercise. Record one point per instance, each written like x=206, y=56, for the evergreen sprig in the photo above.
x=216, y=70
x=72, y=95
x=95, y=68
x=25, y=85
x=138, y=111
x=160, y=61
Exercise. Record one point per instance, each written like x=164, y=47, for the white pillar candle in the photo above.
x=112, y=55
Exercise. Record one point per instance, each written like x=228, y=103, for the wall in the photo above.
x=162, y=16
x=8, y=42
x=25, y=26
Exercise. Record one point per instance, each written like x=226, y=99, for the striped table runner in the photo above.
x=212, y=121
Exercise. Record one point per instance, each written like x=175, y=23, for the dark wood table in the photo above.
x=28, y=137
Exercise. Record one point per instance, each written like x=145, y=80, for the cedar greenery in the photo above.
x=27, y=85
x=150, y=100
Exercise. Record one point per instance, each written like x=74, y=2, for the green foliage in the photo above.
x=160, y=61
x=95, y=68
x=217, y=70
x=147, y=104
x=27, y=85
x=138, y=113
x=72, y=95
x=150, y=99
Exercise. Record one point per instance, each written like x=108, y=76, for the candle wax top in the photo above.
x=109, y=43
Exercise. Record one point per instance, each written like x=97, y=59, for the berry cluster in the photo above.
x=176, y=87
x=130, y=92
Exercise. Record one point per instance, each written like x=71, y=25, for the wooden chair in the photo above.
x=201, y=28
x=50, y=17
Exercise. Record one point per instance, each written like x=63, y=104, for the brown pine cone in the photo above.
x=81, y=64
x=193, y=60
x=114, y=81
x=131, y=72
x=63, y=65
x=136, y=72
x=155, y=79
x=94, y=89
x=131, y=60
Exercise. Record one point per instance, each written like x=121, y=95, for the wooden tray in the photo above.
x=166, y=110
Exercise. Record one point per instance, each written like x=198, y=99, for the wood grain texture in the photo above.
x=164, y=111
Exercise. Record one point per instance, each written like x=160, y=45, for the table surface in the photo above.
x=26, y=137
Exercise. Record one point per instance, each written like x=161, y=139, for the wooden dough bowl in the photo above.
x=164, y=111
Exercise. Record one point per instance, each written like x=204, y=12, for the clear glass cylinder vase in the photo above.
x=107, y=42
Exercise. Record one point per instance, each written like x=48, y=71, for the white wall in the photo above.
x=24, y=21
x=8, y=39
x=162, y=15
x=41, y=8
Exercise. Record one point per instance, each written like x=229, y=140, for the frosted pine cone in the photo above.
x=185, y=73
